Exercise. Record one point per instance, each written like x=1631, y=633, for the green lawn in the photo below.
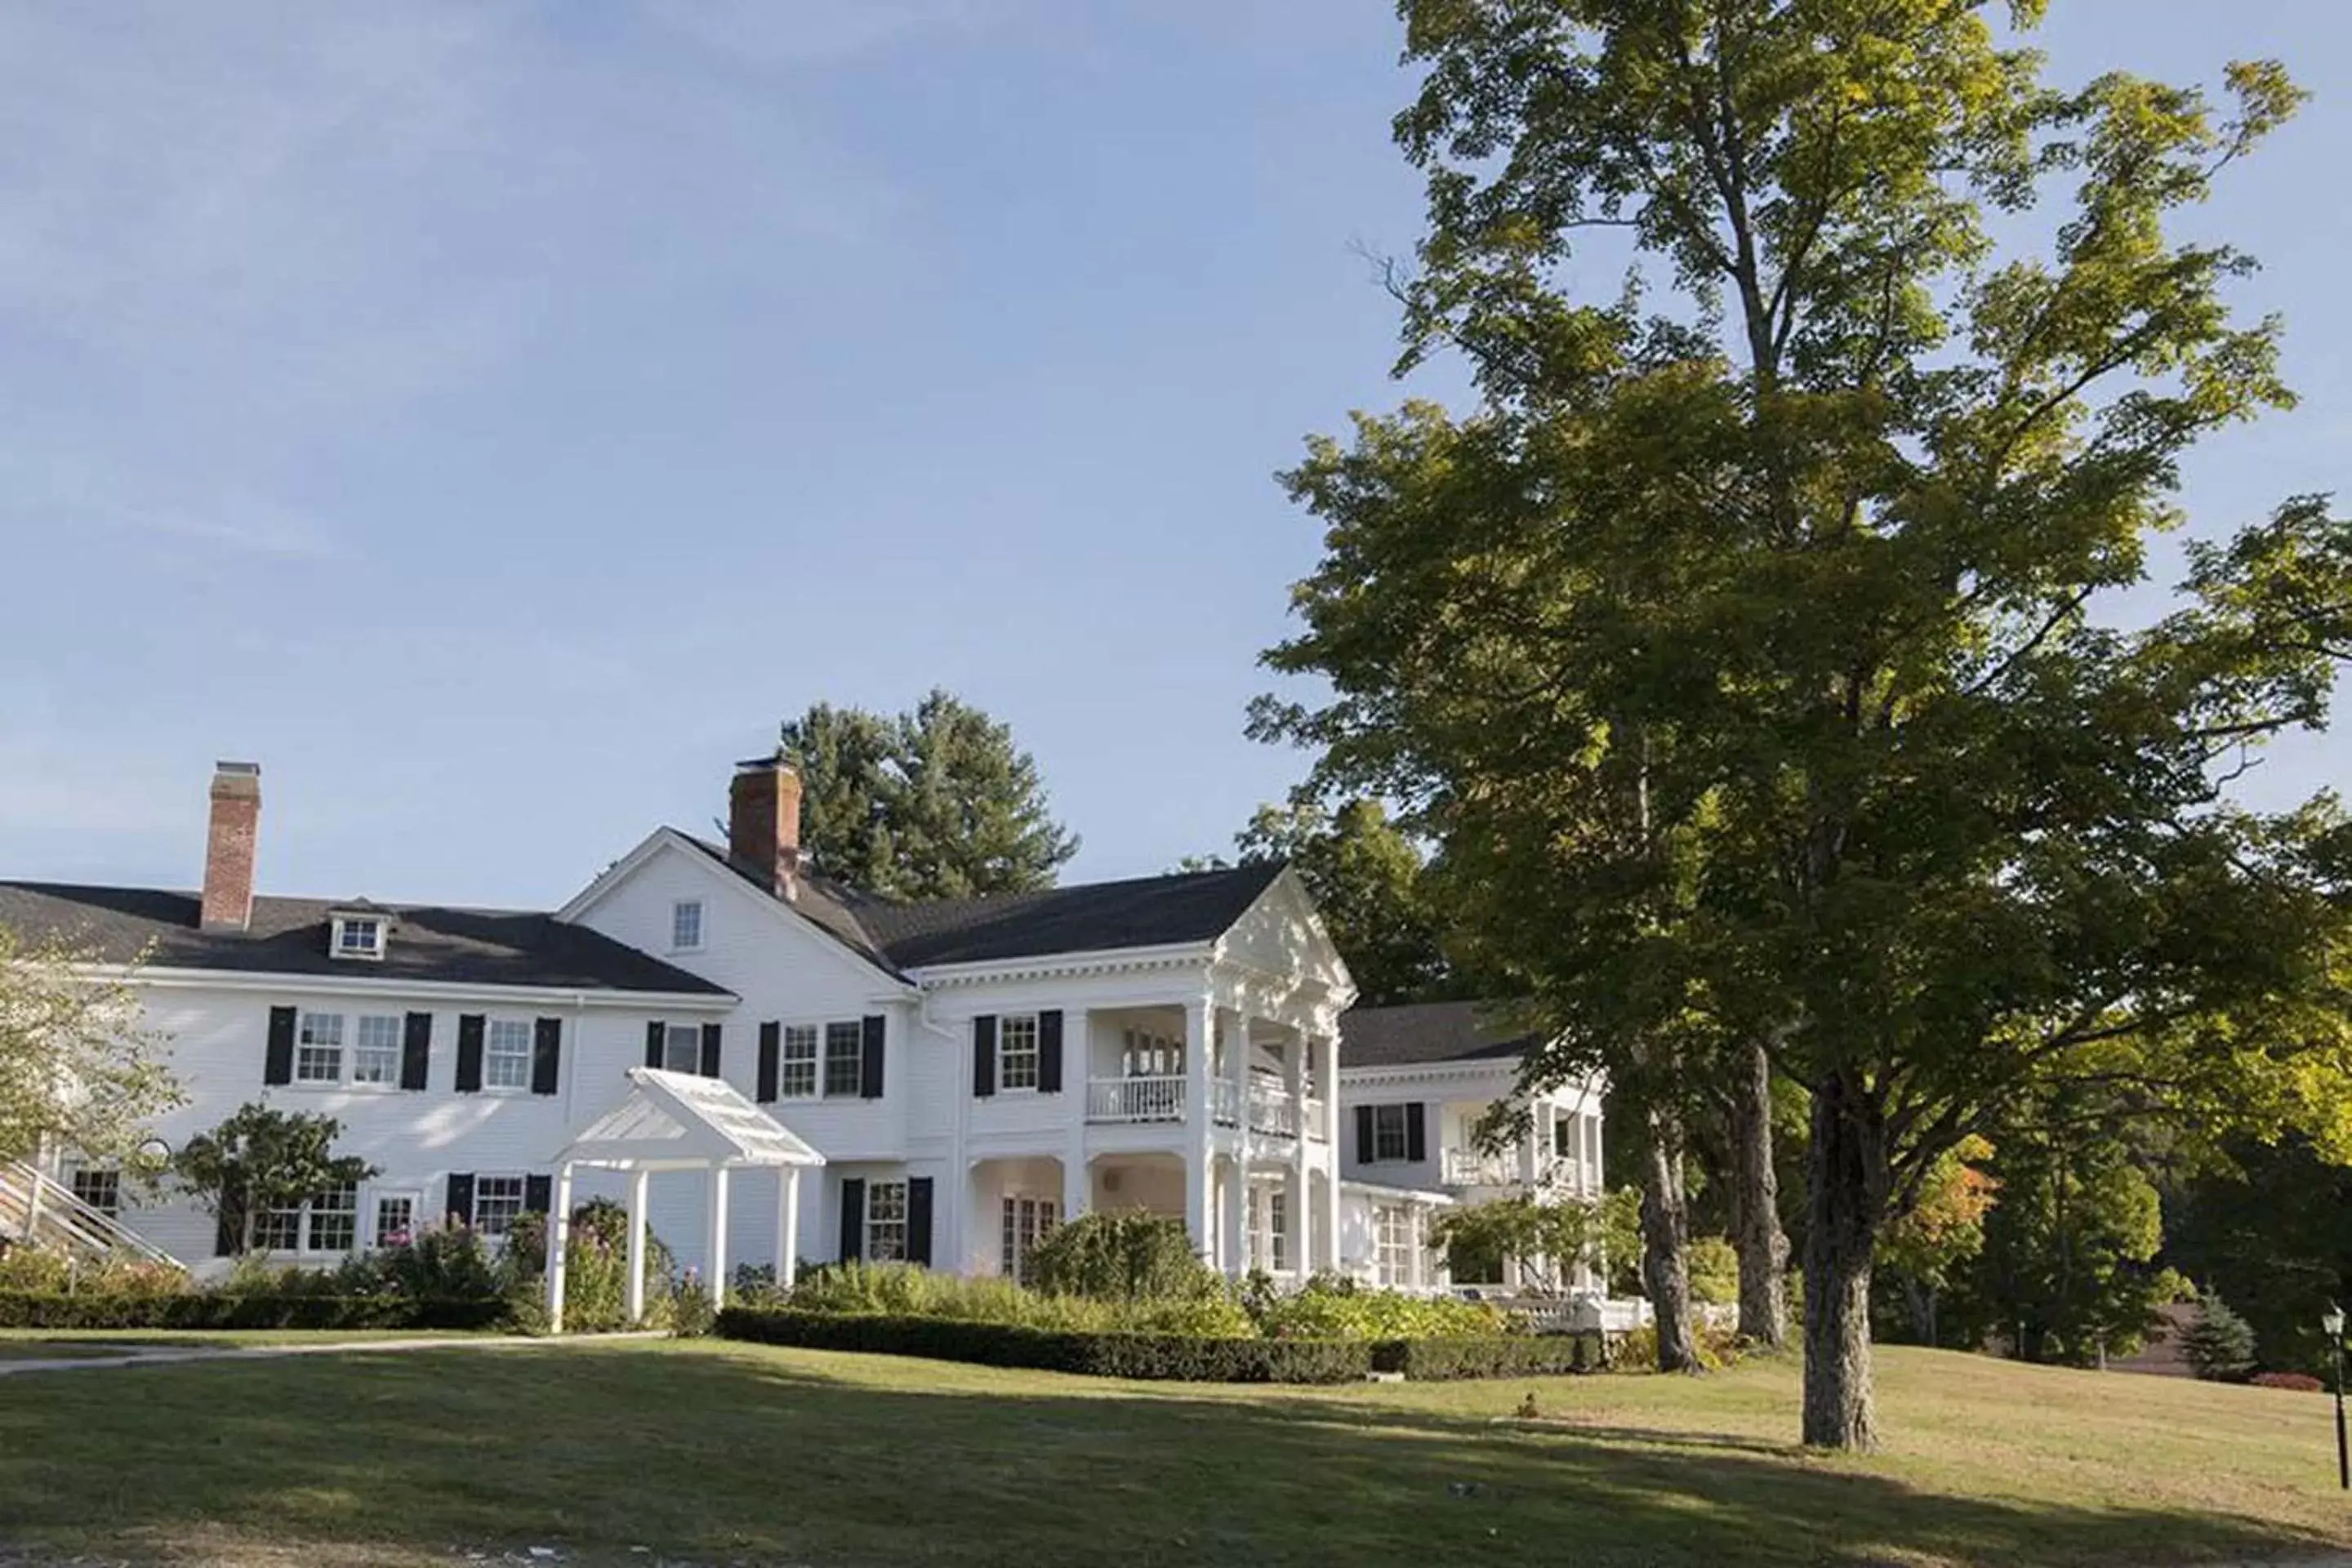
x=733, y=1453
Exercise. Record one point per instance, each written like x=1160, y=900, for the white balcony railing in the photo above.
x=1472, y=1168
x=1158, y=1099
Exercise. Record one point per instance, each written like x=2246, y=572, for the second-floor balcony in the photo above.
x=1477, y=1168
x=1273, y=1111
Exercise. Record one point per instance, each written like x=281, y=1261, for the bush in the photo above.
x=212, y=1310
x=1714, y=1270
x=1332, y=1308
x=2301, y=1381
x=1637, y=1349
x=1492, y=1355
x=451, y=1263
x=904, y=1290
x=1130, y=1257
x=41, y=1270
x=2217, y=1344
x=1098, y=1354
x=596, y=1269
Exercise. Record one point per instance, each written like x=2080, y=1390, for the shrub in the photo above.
x=2302, y=1382
x=1100, y=1354
x=1636, y=1350
x=2217, y=1344
x=596, y=1269
x=201, y=1309
x=903, y=1290
x=1130, y=1257
x=1492, y=1355
x=1714, y=1270
x=43, y=1270
x=437, y=1262
x=1330, y=1308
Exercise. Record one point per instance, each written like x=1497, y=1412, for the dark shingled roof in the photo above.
x=1095, y=917
x=1426, y=1032
x=289, y=936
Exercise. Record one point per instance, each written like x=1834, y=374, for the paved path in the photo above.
x=163, y=1354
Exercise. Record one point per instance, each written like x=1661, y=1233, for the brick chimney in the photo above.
x=763, y=821
x=229, y=846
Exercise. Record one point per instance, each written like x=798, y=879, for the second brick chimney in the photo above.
x=229, y=847
x=763, y=821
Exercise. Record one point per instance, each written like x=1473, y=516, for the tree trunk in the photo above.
x=1845, y=1191
x=1755, y=1233
x=1665, y=1245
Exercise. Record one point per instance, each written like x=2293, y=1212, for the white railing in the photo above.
x=40, y=1212
x=1472, y=1168
x=1273, y=1111
x=1158, y=1099
x=1225, y=1105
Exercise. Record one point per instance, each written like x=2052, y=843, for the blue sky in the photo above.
x=493, y=419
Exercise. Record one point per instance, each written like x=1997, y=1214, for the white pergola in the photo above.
x=679, y=1121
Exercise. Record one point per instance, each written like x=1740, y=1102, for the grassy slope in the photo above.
x=738, y=1452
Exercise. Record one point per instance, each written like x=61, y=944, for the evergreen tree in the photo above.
x=2217, y=1344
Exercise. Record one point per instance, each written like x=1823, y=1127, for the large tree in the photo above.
x=939, y=802
x=1744, y=656
x=261, y=1159
x=1365, y=877
x=79, y=1067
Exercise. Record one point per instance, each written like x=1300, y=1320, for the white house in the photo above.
x=971, y=1071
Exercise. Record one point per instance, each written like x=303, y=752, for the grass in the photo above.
x=743, y=1453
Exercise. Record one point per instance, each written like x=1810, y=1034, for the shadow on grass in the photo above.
x=754, y=1456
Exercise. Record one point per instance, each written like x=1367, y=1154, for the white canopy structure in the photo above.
x=678, y=1122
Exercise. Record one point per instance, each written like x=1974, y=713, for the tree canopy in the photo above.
x=78, y=1067
x=1365, y=877
x=261, y=1158
x=1744, y=653
x=937, y=803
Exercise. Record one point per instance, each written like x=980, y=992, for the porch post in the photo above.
x=1237, y=1215
x=1200, y=1173
x=716, y=1255
x=788, y=1227
x=1237, y=1072
x=559, y=1244
x=1078, y=1079
x=1294, y=1204
x=638, y=1183
x=1326, y=1074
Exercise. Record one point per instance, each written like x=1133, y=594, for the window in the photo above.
x=100, y=1189
x=375, y=1051
x=686, y=925
x=1027, y=1222
x=506, y=1054
x=396, y=1218
x=845, y=1060
x=1395, y=1235
x=1016, y=1051
x=496, y=1201
x=327, y=1222
x=357, y=936
x=796, y=1066
x=682, y=1047
x=886, y=1222
x=1388, y=1133
x=1278, y=1230
x=1147, y=1055
x=318, y=1048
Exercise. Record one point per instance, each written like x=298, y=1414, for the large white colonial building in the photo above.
x=972, y=1071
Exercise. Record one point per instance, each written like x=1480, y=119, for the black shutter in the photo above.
x=853, y=1218
x=1364, y=1142
x=546, y=1055
x=918, y=1220
x=869, y=1068
x=771, y=1051
x=984, y=1055
x=460, y=1206
x=1049, y=1052
x=1416, y=1142
x=710, y=1050
x=469, y=1052
x=653, y=1044
x=417, y=1051
x=538, y=1193
x=278, y=1062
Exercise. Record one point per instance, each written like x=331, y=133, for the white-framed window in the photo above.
x=318, y=1048
x=682, y=1047
x=1026, y=1222
x=1389, y=1140
x=1270, y=1228
x=375, y=1049
x=506, y=1054
x=1393, y=1223
x=396, y=1218
x=686, y=926
x=796, y=1063
x=1146, y=1055
x=1016, y=1051
x=845, y=1062
x=326, y=1223
x=357, y=936
x=496, y=1201
x=886, y=1222
x=99, y=1186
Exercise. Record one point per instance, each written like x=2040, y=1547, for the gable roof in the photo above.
x=1092, y=917
x=1419, y=1032
x=676, y=1121
x=289, y=936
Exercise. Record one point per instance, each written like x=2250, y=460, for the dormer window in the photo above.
x=357, y=936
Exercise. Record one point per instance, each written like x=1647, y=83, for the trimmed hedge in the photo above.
x=201, y=1309
x=1491, y=1355
x=1171, y=1357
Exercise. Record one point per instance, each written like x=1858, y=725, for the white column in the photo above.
x=1416, y=1271
x=788, y=1226
x=1237, y=1073
x=1326, y=1074
x=1296, y=1231
x=1200, y=1173
x=637, y=1184
x=1294, y=1067
x=716, y=1253
x=558, y=1248
x=1077, y=1075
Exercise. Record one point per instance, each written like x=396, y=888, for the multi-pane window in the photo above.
x=1388, y=1133
x=318, y=1048
x=396, y=1218
x=796, y=1063
x=1016, y=1051
x=357, y=936
x=506, y=1054
x=1277, y=1251
x=1027, y=1221
x=327, y=1222
x=1147, y=1055
x=101, y=1188
x=686, y=925
x=845, y=1060
x=682, y=1047
x=886, y=1222
x=496, y=1201
x=375, y=1050
x=1394, y=1232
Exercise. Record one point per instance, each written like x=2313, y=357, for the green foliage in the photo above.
x=1513, y=1355
x=1131, y=1255
x=1366, y=878
x=437, y=1263
x=1636, y=1350
x=596, y=1269
x=78, y=1068
x=1548, y=1238
x=935, y=803
x=216, y=1309
x=2217, y=1344
x=906, y=1291
x=1714, y=1270
x=1339, y=1309
x=42, y=1270
x=261, y=1158
x=2268, y=1226
x=1093, y=1353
